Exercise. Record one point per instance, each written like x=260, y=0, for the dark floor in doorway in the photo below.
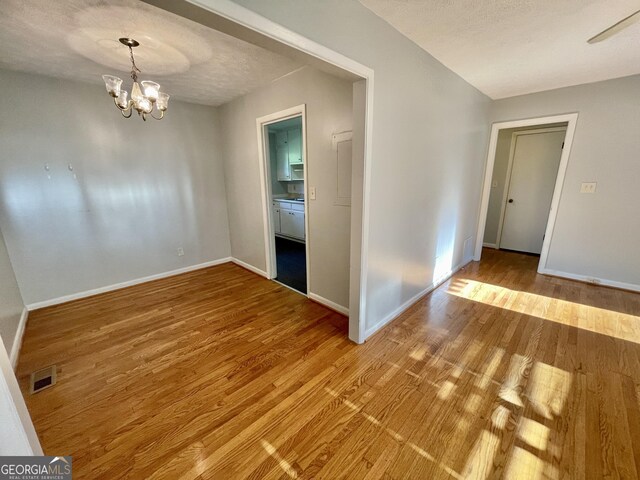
x=292, y=264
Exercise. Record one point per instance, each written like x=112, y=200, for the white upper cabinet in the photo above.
x=281, y=138
x=283, y=170
x=289, y=154
x=294, y=142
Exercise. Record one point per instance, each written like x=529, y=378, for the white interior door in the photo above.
x=534, y=170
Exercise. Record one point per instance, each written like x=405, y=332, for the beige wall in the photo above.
x=137, y=192
x=11, y=304
x=596, y=235
x=329, y=110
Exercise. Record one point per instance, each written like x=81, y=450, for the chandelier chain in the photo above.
x=134, y=68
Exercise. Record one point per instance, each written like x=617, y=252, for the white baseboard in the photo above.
x=118, y=286
x=262, y=273
x=490, y=245
x=398, y=311
x=329, y=304
x=17, y=340
x=591, y=280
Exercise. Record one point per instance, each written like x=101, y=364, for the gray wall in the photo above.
x=329, y=110
x=596, y=235
x=11, y=304
x=137, y=192
x=429, y=145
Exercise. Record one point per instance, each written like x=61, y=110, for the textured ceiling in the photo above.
x=77, y=39
x=512, y=47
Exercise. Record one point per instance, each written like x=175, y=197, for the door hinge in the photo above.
x=562, y=145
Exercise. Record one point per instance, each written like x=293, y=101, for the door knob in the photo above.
x=511, y=200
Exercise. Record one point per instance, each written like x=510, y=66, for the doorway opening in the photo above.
x=523, y=182
x=282, y=136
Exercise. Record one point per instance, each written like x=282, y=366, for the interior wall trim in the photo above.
x=603, y=282
x=17, y=340
x=249, y=267
x=571, y=119
x=409, y=303
x=328, y=303
x=129, y=283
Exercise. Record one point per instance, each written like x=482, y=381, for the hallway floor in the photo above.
x=219, y=373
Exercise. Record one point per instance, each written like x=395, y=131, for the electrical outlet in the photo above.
x=588, y=187
x=312, y=193
x=180, y=251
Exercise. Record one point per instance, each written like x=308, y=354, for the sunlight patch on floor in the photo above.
x=594, y=319
x=483, y=381
x=534, y=434
x=510, y=388
x=273, y=451
x=548, y=390
x=486, y=447
x=395, y=434
x=446, y=389
x=527, y=466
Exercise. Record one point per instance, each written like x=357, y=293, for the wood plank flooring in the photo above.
x=220, y=374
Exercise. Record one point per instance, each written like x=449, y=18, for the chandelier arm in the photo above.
x=143, y=103
x=160, y=117
x=124, y=109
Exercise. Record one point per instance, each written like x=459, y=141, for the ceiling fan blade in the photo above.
x=615, y=28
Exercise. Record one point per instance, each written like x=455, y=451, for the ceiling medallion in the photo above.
x=141, y=102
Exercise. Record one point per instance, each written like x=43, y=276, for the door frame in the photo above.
x=245, y=24
x=507, y=186
x=262, y=124
x=571, y=119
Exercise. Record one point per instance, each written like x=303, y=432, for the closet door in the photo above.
x=533, y=177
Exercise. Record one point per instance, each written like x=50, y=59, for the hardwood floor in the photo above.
x=218, y=373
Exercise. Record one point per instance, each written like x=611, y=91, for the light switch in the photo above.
x=312, y=193
x=588, y=187
x=494, y=184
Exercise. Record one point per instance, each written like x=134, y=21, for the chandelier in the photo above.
x=142, y=103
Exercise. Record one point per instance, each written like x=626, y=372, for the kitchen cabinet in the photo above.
x=294, y=144
x=289, y=159
x=292, y=223
x=276, y=218
x=288, y=218
x=283, y=170
x=281, y=138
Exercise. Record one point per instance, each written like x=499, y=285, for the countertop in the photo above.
x=290, y=200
